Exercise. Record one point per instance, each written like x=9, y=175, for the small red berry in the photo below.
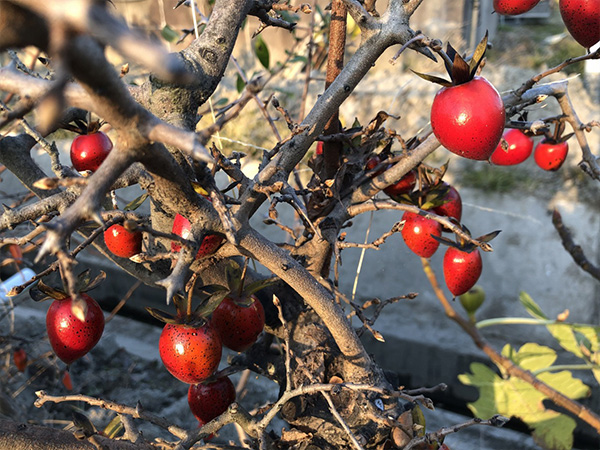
x=417, y=233
x=210, y=400
x=122, y=242
x=89, y=150
x=190, y=354
x=461, y=269
x=69, y=337
x=239, y=322
x=550, y=155
x=20, y=359
x=518, y=148
x=319, y=150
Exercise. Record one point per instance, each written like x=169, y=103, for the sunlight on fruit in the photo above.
x=180, y=349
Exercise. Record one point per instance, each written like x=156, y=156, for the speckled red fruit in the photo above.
x=404, y=186
x=239, y=324
x=582, y=19
x=519, y=147
x=468, y=119
x=182, y=227
x=190, y=354
x=514, y=7
x=89, y=150
x=210, y=400
x=122, y=242
x=417, y=233
x=452, y=206
x=69, y=337
x=549, y=155
x=461, y=269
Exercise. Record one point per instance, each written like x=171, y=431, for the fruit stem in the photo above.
x=514, y=321
x=243, y=278
x=188, y=305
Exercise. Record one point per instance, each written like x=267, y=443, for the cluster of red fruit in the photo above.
x=462, y=262
x=581, y=17
x=190, y=347
x=515, y=147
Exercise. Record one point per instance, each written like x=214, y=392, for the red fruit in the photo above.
x=319, y=150
x=582, y=19
x=20, y=359
x=69, y=337
x=190, y=353
x=468, y=119
x=66, y=380
x=182, y=227
x=417, y=233
x=122, y=242
x=404, y=186
x=550, y=155
x=513, y=7
x=89, y=150
x=452, y=206
x=239, y=322
x=373, y=162
x=210, y=400
x=461, y=269
x=519, y=147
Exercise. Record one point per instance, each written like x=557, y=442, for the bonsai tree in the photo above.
x=197, y=239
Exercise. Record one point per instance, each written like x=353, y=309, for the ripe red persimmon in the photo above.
x=550, y=155
x=210, y=400
x=468, y=119
x=239, y=321
x=122, y=242
x=582, y=19
x=417, y=233
x=69, y=337
x=518, y=148
x=514, y=7
x=461, y=269
x=191, y=354
x=182, y=227
x=89, y=150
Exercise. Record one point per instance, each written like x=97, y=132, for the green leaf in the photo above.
x=511, y=396
x=256, y=286
x=239, y=84
x=531, y=356
x=221, y=102
x=298, y=58
x=169, y=34
x=136, y=203
x=532, y=307
x=262, y=52
x=566, y=336
x=209, y=305
x=114, y=427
